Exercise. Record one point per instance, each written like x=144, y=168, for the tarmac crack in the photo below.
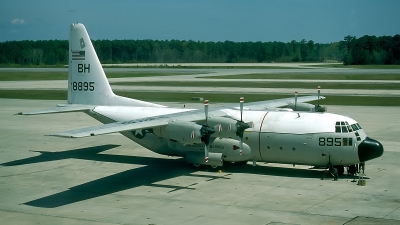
x=321, y=202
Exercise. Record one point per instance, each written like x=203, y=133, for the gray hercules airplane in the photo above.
x=287, y=131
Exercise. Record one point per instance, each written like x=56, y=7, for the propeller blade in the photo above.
x=206, y=152
x=206, y=111
x=241, y=145
x=319, y=92
x=241, y=101
x=295, y=100
x=206, y=132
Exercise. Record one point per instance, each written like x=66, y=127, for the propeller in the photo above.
x=319, y=108
x=206, y=132
x=295, y=100
x=241, y=125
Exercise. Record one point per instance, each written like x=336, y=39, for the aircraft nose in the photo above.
x=369, y=149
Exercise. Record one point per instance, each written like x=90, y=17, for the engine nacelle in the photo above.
x=180, y=131
x=227, y=127
x=306, y=107
x=197, y=158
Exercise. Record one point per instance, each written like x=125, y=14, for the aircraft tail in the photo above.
x=87, y=82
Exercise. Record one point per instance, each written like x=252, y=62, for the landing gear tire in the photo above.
x=214, y=167
x=352, y=170
x=340, y=170
x=196, y=166
x=241, y=162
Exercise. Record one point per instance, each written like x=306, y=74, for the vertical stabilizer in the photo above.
x=87, y=82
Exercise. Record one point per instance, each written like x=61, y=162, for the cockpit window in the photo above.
x=358, y=125
x=338, y=129
x=349, y=128
x=355, y=128
x=343, y=127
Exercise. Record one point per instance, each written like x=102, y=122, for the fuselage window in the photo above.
x=344, y=142
x=347, y=141
x=358, y=136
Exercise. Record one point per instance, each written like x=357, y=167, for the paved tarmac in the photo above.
x=111, y=180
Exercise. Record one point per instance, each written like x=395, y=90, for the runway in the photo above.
x=111, y=180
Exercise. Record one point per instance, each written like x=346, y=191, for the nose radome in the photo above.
x=369, y=149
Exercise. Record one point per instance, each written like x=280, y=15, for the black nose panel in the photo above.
x=369, y=149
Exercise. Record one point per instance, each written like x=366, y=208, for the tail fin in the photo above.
x=87, y=82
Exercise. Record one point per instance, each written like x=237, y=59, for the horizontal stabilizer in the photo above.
x=60, y=109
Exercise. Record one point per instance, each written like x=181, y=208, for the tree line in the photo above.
x=370, y=50
x=364, y=50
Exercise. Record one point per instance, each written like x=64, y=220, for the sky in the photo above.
x=323, y=21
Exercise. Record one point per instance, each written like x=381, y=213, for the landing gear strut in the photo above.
x=335, y=171
x=352, y=169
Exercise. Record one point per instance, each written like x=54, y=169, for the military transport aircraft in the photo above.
x=299, y=133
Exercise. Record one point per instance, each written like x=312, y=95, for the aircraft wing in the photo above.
x=162, y=120
x=142, y=123
x=60, y=109
x=268, y=104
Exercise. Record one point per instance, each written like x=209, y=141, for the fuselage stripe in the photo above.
x=259, y=137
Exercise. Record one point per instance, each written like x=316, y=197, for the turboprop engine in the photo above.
x=181, y=131
x=224, y=127
x=223, y=149
x=301, y=106
x=219, y=127
x=197, y=158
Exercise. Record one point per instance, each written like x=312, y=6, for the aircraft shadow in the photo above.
x=153, y=171
x=280, y=171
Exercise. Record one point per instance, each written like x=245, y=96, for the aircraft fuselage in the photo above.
x=304, y=138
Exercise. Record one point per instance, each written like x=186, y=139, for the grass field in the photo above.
x=213, y=97
x=312, y=76
x=211, y=66
x=248, y=84
x=337, y=65
x=23, y=76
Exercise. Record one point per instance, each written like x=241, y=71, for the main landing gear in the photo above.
x=334, y=171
